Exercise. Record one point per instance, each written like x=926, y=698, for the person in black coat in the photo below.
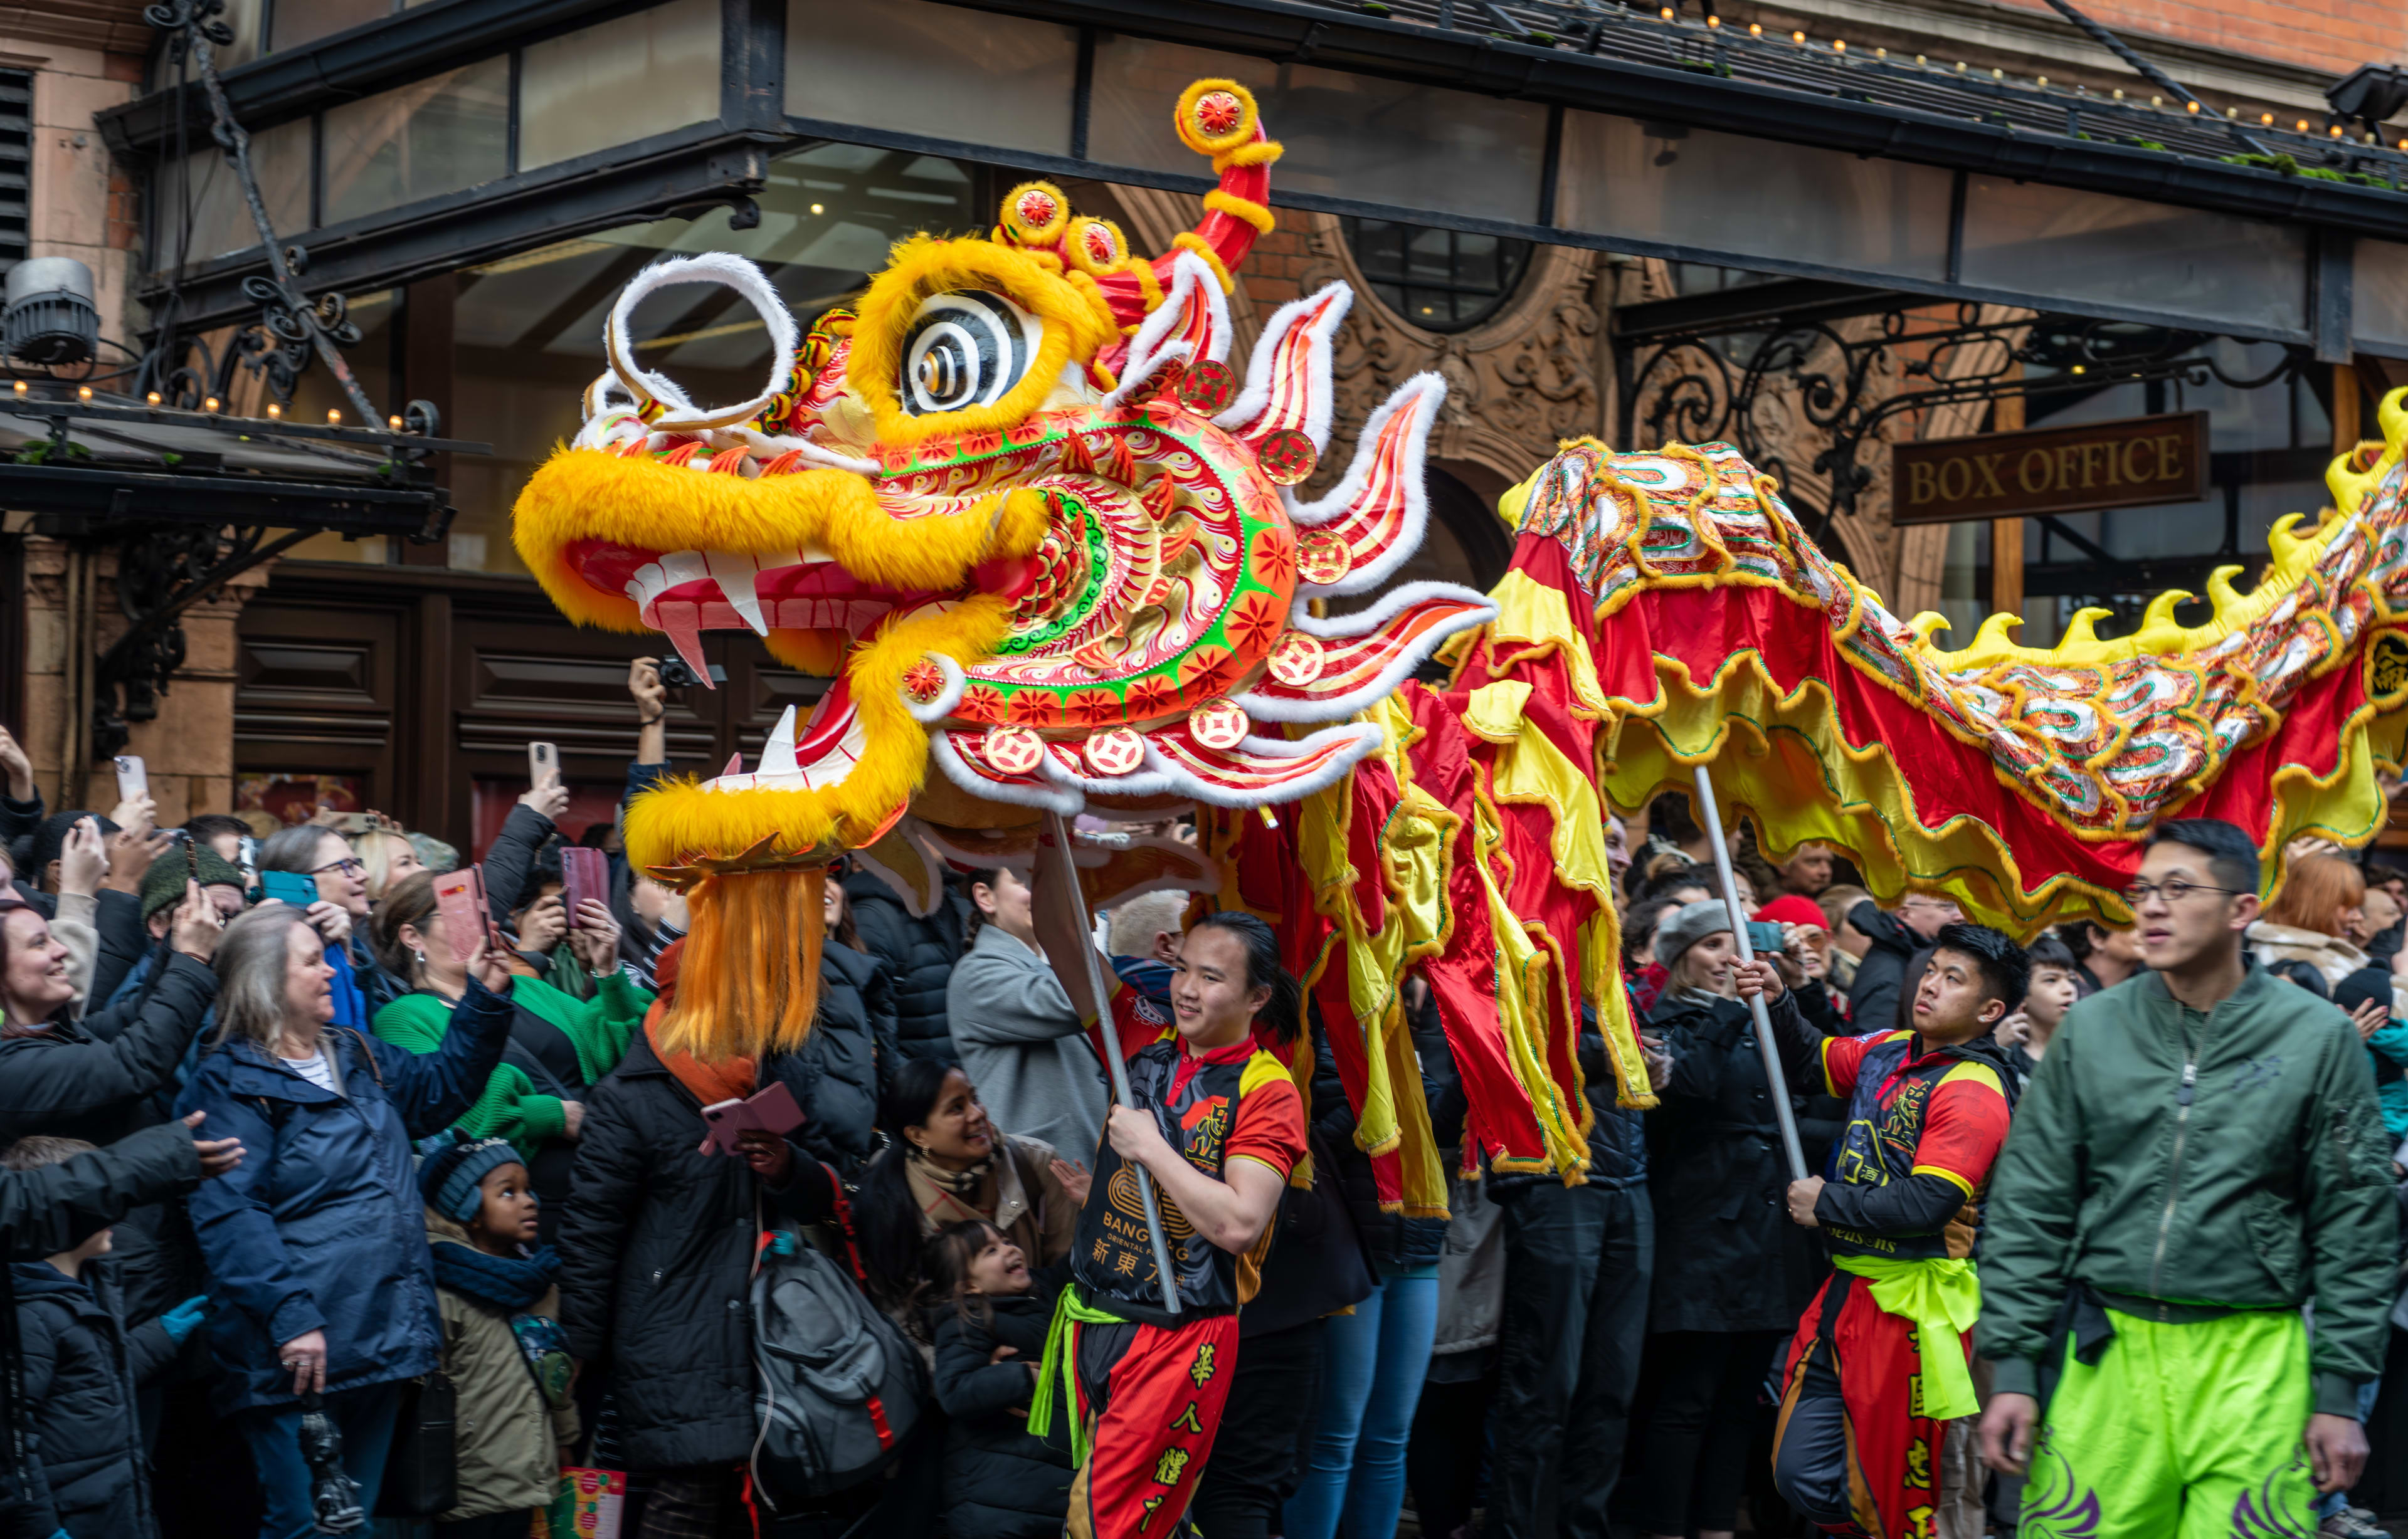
x=989, y=1322
x=656, y=1252
x=840, y=1076
x=1731, y=1271
x=97, y=1079
x=917, y=953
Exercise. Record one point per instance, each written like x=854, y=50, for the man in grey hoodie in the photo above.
x=1019, y=1036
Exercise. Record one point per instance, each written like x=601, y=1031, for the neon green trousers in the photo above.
x=2181, y=1431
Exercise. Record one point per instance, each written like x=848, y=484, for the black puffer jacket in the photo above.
x=844, y=1068
x=656, y=1248
x=1728, y=1257
x=1879, y=994
x=96, y=1081
x=1000, y=1481
x=918, y=956
x=1394, y=1241
x=82, y=1365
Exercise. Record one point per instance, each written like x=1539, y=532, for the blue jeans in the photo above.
x=1371, y=1381
x=365, y=1418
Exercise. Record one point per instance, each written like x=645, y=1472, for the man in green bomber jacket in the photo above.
x=2199, y=1155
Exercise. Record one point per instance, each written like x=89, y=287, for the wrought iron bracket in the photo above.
x=163, y=570
x=1714, y=383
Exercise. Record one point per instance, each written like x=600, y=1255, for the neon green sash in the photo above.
x=1943, y=1297
x=1061, y=1366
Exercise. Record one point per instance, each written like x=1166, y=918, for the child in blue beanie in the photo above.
x=503, y=1348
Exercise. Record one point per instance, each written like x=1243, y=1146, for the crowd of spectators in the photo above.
x=268, y=1166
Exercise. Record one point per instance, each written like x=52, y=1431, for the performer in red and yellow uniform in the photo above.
x=1219, y=1125
x=1878, y=1368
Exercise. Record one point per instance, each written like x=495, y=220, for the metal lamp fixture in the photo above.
x=51, y=318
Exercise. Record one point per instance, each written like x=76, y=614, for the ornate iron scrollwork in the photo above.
x=1716, y=384
x=162, y=570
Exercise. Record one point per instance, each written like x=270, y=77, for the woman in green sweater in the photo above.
x=559, y=1044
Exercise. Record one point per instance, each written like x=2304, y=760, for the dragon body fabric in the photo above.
x=1045, y=543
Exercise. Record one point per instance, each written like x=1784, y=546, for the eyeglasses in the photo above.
x=2173, y=889
x=350, y=865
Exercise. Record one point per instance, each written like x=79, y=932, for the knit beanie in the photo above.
x=434, y=854
x=1688, y=924
x=163, y=885
x=448, y=1177
x=1789, y=908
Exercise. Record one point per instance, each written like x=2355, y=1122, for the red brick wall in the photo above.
x=1274, y=271
x=2337, y=36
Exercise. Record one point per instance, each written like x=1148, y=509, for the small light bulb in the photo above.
x=2077, y=368
x=152, y=399
x=2042, y=82
x=817, y=208
x=2299, y=127
x=334, y=418
x=1713, y=20
x=1756, y=29
x=1920, y=60
x=20, y=387
x=274, y=409
x=1960, y=66
x=1797, y=37
x=2156, y=101
x=2191, y=107
x=1998, y=75
x=83, y=392
x=2334, y=131
x=1839, y=45
x=2118, y=93
x=209, y=404
x=1881, y=53
x=393, y=423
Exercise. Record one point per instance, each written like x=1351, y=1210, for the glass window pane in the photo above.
x=2092, y=248
x=2380, y=302
x=1347, y=135
x=212, y=203
x=915, y=67
x=433, y=136
x=1751, y=197
x=624, y=80
x=527, y=328
x=294, y=25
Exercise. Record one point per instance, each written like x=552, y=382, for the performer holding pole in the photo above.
x=1211, y=1125
x=1711, y=817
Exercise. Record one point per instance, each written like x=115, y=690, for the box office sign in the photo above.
x=2134, y=463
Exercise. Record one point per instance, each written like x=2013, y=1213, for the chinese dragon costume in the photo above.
x=1048, y=546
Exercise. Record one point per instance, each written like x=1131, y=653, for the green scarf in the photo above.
x=1943, y=1297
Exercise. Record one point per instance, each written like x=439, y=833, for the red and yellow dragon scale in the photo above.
x=1045, y=543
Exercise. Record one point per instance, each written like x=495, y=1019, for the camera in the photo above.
x=676, y=675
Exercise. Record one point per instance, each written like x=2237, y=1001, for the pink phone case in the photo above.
x=585, y=874
x=459, y=898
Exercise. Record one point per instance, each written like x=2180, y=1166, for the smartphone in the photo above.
x=247, y=855
x=459, y=898
x=1763, y=936
x=288, y=887
x=543, y=763
x=585, y=874
x=133, y=780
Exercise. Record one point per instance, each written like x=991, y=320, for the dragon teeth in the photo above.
x=739, y=578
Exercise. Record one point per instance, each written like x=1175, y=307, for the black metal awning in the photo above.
x=78, y=466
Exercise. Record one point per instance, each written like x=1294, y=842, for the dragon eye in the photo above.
x=967, y=347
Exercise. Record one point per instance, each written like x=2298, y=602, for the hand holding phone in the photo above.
x=133, y=779
x=288, y=887
x=585, y=875
x=459, y=898
x=543, y=763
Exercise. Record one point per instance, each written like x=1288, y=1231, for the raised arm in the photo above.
x=136, y=1055
x=431, y=1091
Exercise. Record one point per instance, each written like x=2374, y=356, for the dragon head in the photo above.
x=1025, y=515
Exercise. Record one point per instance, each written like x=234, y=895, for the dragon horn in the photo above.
x=1219, y=119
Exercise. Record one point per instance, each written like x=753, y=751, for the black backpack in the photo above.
x=838, y=1389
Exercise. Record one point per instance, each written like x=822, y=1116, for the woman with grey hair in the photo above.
x=340, y=915
x=316, y=1247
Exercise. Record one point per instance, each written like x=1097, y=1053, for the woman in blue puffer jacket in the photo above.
x=316, y=1245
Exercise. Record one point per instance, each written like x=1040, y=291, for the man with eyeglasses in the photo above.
x=2199, y=1156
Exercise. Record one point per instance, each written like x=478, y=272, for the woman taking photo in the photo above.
x=944, y=1164
x=340, y=915
x=1731, y=1270
x=1218, y=1126
x=559, y=1046
x=316, y=1245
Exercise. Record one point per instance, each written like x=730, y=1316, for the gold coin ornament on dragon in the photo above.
x=1022, y=511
